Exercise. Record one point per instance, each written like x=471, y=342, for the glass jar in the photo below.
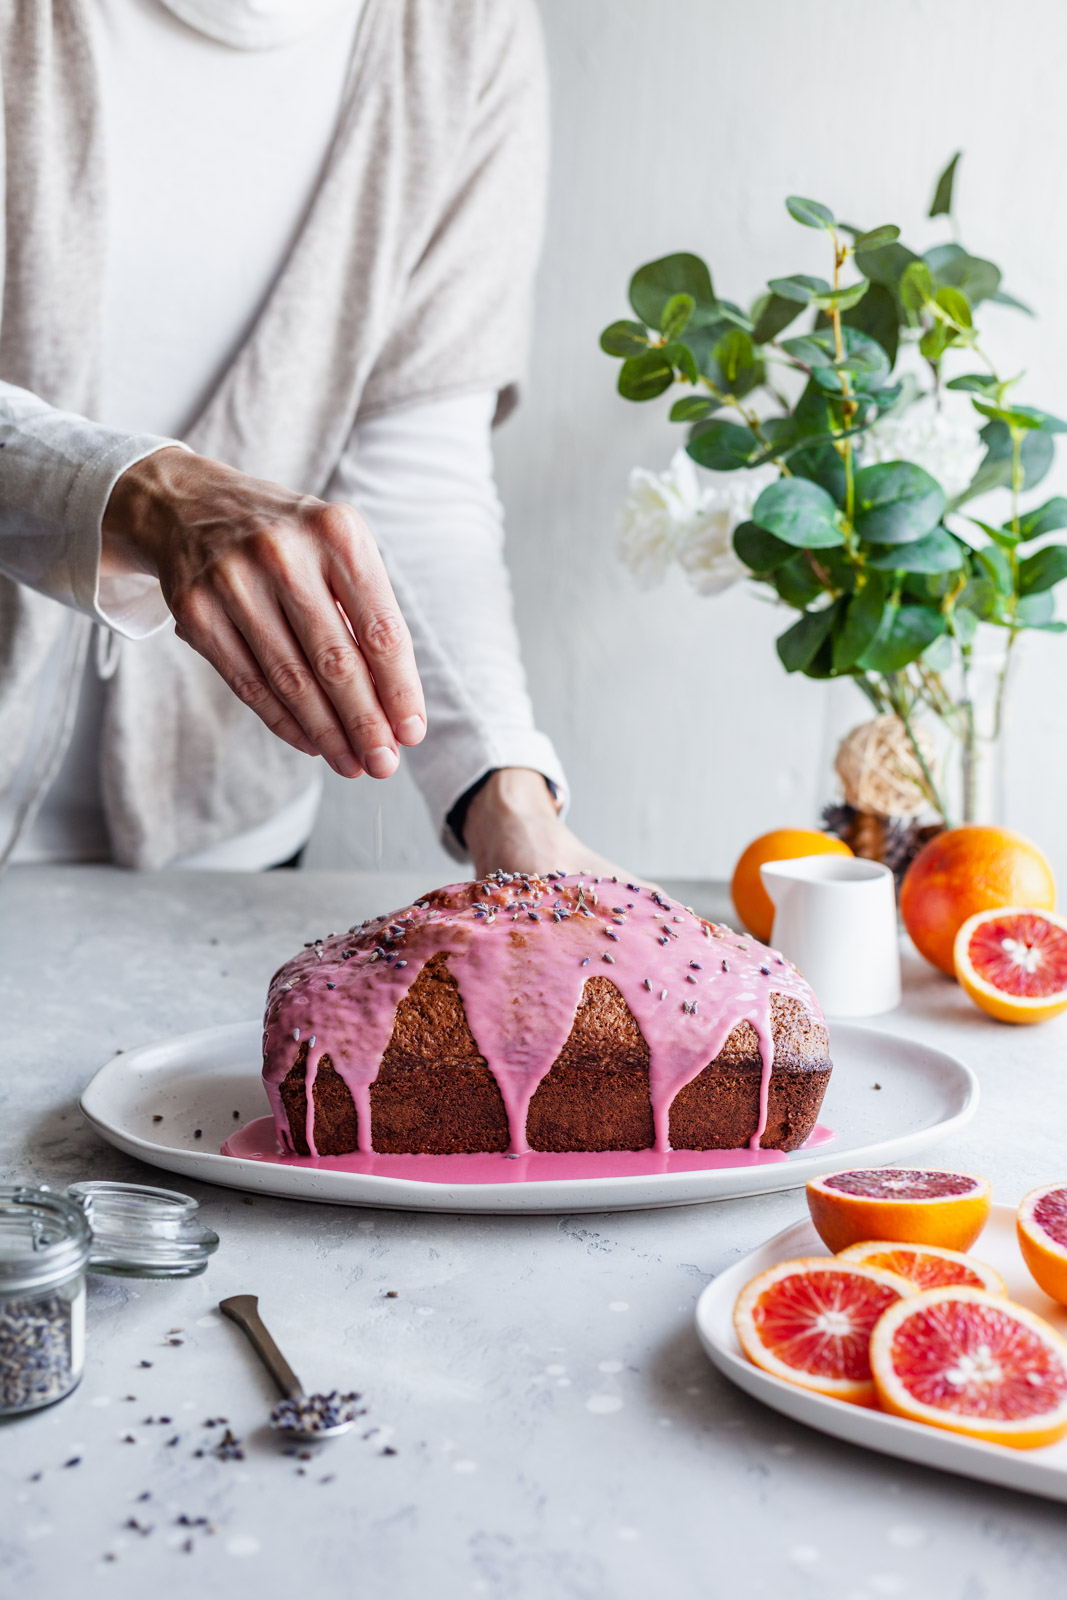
x=142, y=1232
x=44, y=1251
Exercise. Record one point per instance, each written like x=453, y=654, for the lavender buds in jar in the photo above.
x=44, y=1248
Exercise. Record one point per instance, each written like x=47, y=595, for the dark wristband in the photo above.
x=457, y=817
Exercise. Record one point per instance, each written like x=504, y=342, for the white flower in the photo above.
x=658, y=508
x=688, y=515
x=706, y=551
x=946, y=446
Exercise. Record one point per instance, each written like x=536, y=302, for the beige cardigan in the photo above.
x=410, y=279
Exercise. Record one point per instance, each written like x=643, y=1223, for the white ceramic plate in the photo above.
x=1042, y=1471
x=149, y=1102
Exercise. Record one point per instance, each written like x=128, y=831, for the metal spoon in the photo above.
x=300, y=1417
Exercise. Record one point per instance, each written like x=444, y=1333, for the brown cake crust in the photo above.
x=434, y=1093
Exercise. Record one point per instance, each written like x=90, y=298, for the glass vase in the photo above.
x=975, y=749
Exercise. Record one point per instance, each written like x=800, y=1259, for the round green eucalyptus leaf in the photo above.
x=842, y=299
x=878, y=316
x=886, y=264
x=680, y=356
x=799, y=287
x=916, y=285
x=799, y=512
x=796, y=583
x=896, y=502
x=954, y=304
x=937, y=552
x=1037, y=452
x=676, y=313
x=692, y=408
x=865, y=359
x=1036, y=610
x=810, y=213
x=936, y=340
x=657, y=282
x=773, y=313
x=905, y=632
x=721, y=446
x=862, y=619
x=1048, y=518
x=760, y=550
x=1043, y=569
x=877, y=237
x=644, y=377
x=951, y=265
x=1011, y=416
x=798, y=645
x=1041, y=419
x=974, y=383
x=625, y=339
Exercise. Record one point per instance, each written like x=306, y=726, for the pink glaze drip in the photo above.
x=257, y=1141
x=520, y=950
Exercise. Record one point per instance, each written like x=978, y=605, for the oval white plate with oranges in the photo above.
x=724, y=1319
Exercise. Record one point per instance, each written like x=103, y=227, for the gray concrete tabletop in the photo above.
x=540, y=1423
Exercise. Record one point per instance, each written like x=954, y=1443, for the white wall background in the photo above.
x=682, y=124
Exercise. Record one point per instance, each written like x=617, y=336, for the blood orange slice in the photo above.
x=904, y=1204
x=1041, y=1224
x=1013, y=963
x=973, y=1363
x=926, y=1266
x=810, y=1321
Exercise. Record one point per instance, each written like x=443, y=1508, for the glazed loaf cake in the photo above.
x=560, y=1013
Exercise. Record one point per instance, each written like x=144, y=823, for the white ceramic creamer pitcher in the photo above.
x=835, y=917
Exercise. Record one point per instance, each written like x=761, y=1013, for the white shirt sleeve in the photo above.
x=57, y=471
x=422, y=476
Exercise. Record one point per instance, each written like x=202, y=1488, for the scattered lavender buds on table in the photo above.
x=229, y=1448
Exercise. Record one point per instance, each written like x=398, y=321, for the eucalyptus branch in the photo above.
x=831, y=517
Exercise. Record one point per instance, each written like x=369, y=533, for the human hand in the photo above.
x=286, y=596
x=513, y=825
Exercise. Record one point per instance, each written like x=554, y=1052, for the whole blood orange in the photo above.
x=926, y=1266
x=973, y=1363
x=1013, y=963
x=810, y=1322
x=1041, y=1224
x=904, y=1204
x=965, y=870
x=751, y=901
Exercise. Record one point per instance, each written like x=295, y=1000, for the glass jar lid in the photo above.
x=44, y=1238
x=141, y=1232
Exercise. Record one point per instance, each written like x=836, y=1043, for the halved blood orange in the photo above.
x=973, y=1363
x=905, y=1204
x=926, y=1266
x=810, y=1321
x=1013, y=963
x=1041, y=1224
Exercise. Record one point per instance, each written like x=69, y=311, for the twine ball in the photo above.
x=879, y=770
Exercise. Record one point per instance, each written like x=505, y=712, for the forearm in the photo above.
x=423, y=478
x=57, y=474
